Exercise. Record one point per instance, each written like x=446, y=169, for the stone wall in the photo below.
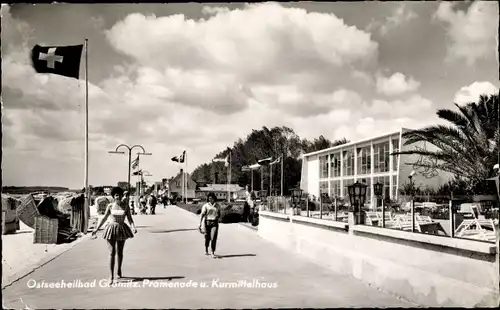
x=426, y=269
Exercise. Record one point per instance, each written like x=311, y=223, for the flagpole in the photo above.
x=185, y=178
x=270, y=180
x=87, y=192
x=229, y=178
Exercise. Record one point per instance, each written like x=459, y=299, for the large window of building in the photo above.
x=323, y=187
x=347, y=182
x=385, y=181
x=368, y=182
x=381, y=157
x=364, y=160
x=394, y=186
x=348, y=163
x=323, y=167
x=335, y=165
x=335, y=189
x=395, y=148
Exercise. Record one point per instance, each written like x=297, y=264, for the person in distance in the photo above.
x=210, y=214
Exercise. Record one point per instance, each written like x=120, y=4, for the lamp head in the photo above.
x=378, y=188
x=412, y=174
x=496, y=167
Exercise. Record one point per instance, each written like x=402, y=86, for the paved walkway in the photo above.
x=168, y=250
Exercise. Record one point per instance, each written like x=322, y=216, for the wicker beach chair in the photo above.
x=27, y=211
x=46, y=230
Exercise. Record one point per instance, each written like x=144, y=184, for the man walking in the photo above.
x=152, y=203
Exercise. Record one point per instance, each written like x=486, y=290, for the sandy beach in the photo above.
x=20, y=255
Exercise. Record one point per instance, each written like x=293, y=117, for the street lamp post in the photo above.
x=378, y=189
x=357, y=197
x=129, y=157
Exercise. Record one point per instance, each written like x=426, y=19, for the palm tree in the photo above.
x=469, y=147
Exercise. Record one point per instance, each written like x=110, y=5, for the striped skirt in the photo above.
x=117, y=231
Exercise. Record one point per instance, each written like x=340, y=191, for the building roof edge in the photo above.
x=402, y=129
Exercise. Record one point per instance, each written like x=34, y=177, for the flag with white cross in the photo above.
x=60, y=60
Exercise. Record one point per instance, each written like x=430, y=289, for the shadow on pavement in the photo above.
x=142, y=226
x=173, y=230
x=139, y=279
x=235, y=255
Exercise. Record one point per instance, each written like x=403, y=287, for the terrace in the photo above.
x=432, y=253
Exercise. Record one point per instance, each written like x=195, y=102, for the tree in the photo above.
x=321, y=143
x=468, y=148
x=99, y=191
x=122, y=185
x=340, y=142
x=259, y=144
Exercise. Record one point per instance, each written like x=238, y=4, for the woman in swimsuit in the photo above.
x=210, y=213
x=116, y=231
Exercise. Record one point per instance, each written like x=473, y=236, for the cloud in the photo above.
x=292, y=101
x=396, y=84
x=400, y=15
x=472, y=92
x=210, y=10
x=15, y=33
x=382, y=117
x=414, y=107
x=285, y=58
x=263, y=42
x=472, y=34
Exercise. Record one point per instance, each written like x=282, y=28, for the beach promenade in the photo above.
x=165, y=267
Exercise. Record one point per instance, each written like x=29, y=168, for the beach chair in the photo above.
x=372, y=219
x=390, y=221
x=477, y=228
x=424, y=219
x=404, y=223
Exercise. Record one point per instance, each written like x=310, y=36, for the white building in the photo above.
x=221, y=191
x=332, y=170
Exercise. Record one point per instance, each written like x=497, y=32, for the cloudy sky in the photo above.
x=199, y=77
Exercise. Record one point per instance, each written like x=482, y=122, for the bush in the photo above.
x=230, y=217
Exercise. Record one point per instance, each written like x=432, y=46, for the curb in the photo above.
x=249, y=226
x=45, y=260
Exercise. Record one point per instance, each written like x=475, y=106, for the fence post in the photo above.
x=307, y=205
x=383, y=213
x=335, y=208
x=412, y=215
x=452, y=219
x=497, y=228
x=320, y=206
